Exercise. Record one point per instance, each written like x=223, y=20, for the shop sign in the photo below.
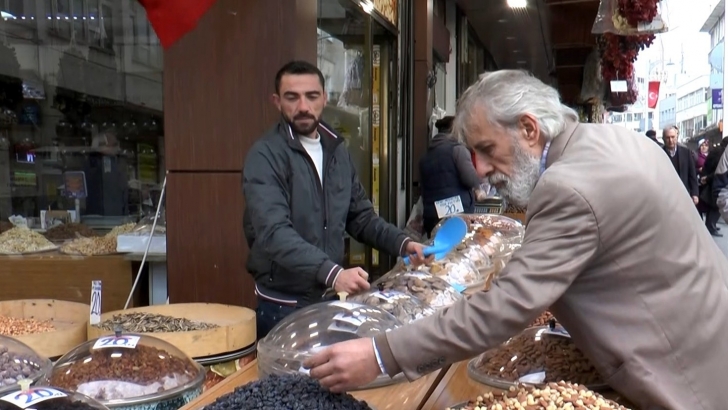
x=717, y=94
x=388, y=9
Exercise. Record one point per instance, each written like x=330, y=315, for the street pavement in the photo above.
x=723, y=242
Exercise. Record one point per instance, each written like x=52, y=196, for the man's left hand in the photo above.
x=696, y=200
x=416, y=254
x=345, y=366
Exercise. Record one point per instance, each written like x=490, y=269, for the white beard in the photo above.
x=526, y=172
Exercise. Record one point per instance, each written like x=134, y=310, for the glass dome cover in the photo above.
x=476, y=255
x=432, y=290
x=127, y=368
x=47, y=398
x=405, y=307
x=537, y=356
x=18, y=362
x=304, y=332
x=493, y=232
x=455, y=269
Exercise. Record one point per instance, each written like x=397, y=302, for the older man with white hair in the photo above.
x=612, y=248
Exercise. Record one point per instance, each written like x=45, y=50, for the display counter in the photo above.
x=53, y=275
x=456, y=387
x=402, y=396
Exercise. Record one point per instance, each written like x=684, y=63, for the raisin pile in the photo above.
x=290, y=392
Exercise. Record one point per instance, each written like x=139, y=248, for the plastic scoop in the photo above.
x=450, y=234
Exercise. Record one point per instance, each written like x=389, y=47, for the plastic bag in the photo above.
x=415, y=225
x=144, y=227
x=629, y=17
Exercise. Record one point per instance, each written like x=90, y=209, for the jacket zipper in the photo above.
x=322, y=192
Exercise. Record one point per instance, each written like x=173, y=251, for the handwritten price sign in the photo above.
x=128, y=342
x=32, y=396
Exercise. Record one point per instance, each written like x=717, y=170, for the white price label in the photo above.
x=348, y=319
x=388, y=295
x=34, y=395
x=95, y=316
x=127, y=341
x=533, y=378
x=449, y=206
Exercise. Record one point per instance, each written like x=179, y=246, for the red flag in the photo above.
x=172, y=19
x=653, y=94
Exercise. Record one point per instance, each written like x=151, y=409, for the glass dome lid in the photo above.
x=19, y=362
x=405, y=307
x=47, y=398
x=537, y=356
x=304, y=332
x=127, y=368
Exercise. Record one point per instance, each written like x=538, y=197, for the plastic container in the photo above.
x=482, y=227
x=455, y=269
x=537, y=356
x=130, y=371
x=403, y=306
x=19, y=362
x=432, y=290
x=304, y=332
x=47, y=398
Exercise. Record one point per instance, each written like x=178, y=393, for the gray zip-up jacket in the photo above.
x=295, y=226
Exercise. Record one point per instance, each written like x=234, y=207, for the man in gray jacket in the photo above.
x=302, y=193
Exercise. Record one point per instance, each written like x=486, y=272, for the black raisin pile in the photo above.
x=290, y=392
x=52, y=404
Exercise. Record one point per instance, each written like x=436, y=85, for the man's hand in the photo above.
x=703, y=180
x=352, y=281
x=415, y=251
x=696, y=200
x=345, y=366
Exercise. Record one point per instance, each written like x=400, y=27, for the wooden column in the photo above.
x=217, y=85
x=423, y=64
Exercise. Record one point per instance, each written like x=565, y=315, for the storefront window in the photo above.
x=80, y=111
x=354, y=54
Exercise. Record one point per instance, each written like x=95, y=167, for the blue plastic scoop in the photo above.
x=450, y=234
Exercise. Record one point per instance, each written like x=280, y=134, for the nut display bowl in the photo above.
x=130, y=371
x=432, y=290
x=403, y=306
x=47, y=398
x=300, y=335
x=535, y=357
x=18, y=362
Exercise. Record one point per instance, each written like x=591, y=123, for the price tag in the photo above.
x=127, y=341
x=533, y=378
x=449, y=206
x=618, y=86
x=34, y=395
x=95, y=315
x=387, y=295
x=348, y=319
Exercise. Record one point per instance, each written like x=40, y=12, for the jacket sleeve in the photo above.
x=561, y=240
x=364, y=225
x=692, y=174
x=466, y=170
x=265, y=188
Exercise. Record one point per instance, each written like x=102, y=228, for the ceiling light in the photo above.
x=503, y=21
x=510, y=38
x=368, y=6
x=517, y=4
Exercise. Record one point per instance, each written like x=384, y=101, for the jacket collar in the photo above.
x=329, y=139
x=558, y=144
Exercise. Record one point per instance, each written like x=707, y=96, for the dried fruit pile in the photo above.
x=292, y=392
x=15, y=367
x=555, y=396
x=21, y=240
x=542, y=320
x=13, y=326
x=69, y=231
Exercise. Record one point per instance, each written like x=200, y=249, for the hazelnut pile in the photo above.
x=542, y=320
x=554, y=396
x=13, y=326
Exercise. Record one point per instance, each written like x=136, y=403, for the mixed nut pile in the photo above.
x=69, y=231
x=15, y=367
x=151, y=323
x=13, y=326
x=431, y=290
x=554, y=396
x=96, y=246
x=136, y=372
x=404, y=307
x=531, y=353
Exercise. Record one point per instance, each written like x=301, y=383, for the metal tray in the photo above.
x=53, y=249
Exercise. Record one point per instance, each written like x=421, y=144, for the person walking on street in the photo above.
x=682, y=160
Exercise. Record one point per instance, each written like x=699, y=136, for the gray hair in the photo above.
x=507, y=95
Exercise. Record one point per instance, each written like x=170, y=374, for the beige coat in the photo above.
x=615, y=247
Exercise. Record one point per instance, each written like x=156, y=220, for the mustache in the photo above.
x=497, y=178
x=304, y=116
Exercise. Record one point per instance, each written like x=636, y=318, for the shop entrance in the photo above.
x=357, y=55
